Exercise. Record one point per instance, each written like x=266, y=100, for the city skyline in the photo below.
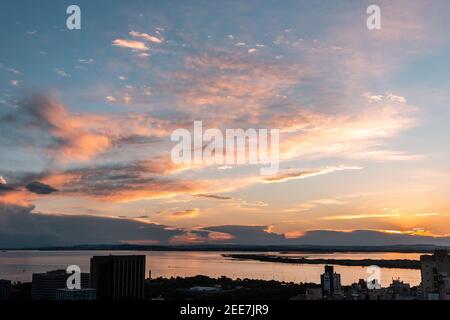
x=86, y=118
x=122, y=277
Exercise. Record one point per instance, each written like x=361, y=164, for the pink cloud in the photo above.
x=130, y=44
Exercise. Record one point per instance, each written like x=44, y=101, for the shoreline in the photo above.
x=425, y=249
x=392, y=264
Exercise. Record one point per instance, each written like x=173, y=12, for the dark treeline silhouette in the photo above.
x=397, y=264
x=180, y=288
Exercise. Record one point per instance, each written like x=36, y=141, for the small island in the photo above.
x=397, y=264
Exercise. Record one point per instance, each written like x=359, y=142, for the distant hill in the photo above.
x=247, y=248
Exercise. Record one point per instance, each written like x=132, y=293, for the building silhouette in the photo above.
x=44, y=285
x=5, y=288
x=435, y=273
x=399, y=289
x=118, y=277
x=330, y=282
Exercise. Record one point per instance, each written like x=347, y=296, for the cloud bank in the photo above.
x=20, y=228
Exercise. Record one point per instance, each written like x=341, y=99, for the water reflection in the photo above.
x=19, y=265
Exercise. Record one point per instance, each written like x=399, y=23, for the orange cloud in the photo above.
x=130, y=44
x=188, y=213
x=82, y=136
x=312, y=135
x=73, y=137
x=149, y=191
x=133, y=181
x=17, y=197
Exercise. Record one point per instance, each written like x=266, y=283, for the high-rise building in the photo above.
x=330, y=282
x=118, y=277
x=5, y=288
x=44, y=285
x=435, y=272
x=76, y=294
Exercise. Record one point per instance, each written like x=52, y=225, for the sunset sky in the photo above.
x=86, y=117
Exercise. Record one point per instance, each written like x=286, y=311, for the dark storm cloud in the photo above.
x=40, y=188
x=249, y=234
x=366, y=237
x=5, y=187
x=201, y=233
x=19, y=227
x=259, y=235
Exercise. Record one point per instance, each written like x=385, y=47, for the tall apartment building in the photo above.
x=330, y=282
x=118, y=277
x=435, y=272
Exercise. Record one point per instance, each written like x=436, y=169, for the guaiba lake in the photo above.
x=19, y=265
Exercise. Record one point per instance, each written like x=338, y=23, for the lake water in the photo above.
x=19, y=265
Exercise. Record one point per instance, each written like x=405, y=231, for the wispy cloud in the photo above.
x=429, y=214
x=212, y=196
x=62, y=73
x=188, y=213
x=130, y=44
x=111, y=99
x=86, y=61
x=14, y=71
x=301, y=174
x=145, y=36
x=360, y=216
